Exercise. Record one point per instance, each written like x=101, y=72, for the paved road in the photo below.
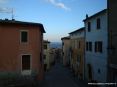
x=59, y=76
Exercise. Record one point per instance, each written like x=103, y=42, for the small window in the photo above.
x=78, y=58
x=44, y=56
x=98, y=23
x=76, y=43
x=45, y=46
x=87, y=46
x=73, y=43
x=90, y=46
x=63, y=43
x=98, y=46
x=89, y=26
x=99, y=71
x=24, y=36
x=63, y=53
x=79, y=44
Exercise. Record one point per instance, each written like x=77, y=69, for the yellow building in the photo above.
x=77, y=40
x=52, y=56
x=46, y=55
x=49, y=55
x=66, y=50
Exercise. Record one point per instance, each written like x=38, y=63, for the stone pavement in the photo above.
x=60, y=76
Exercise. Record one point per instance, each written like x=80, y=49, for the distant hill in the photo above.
x=56, y=45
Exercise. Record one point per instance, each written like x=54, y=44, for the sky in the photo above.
x=59, y=17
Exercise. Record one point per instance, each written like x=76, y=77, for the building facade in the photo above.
x=52, y=56
x=112, y=47
x=66, y=51
x=49, y=55
x=77, y=40
x=96, y=40
x=46, y=55
x=21, y=48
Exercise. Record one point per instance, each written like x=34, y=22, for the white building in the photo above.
x=96, y=47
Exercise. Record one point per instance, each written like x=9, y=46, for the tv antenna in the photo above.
x=12, y=12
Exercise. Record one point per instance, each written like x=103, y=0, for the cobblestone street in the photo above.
x=60, y=76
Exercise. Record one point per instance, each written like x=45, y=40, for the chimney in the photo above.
x=13, y=19
x=86, y=16
x=6, y=19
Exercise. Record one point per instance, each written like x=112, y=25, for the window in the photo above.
x=73, y=43
x=95, y=46
x=45, y=46
x=98, y=46
x=98, y=23
x=78, y=58
x=63, y=53
x=63, y=43
x=26, y=62
x=99, y=71
x=88, y=46
x=89, y=26
x=24, y=36
x=79, y=44
x=44, y=56
x=76, y=44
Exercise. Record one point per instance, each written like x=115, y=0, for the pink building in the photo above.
x=21, y=47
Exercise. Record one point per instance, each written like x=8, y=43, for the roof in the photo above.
x=101, y=12
x=13, y=21
x=46, y=41
x=65, y=38
x=81, y=29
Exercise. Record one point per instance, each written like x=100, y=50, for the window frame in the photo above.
x=90, y=46
x=21, y=36
x=98, y=23
x=79, y=44
x=87, y=46
x=98, y=46
x=89, y=26
x=45, y=46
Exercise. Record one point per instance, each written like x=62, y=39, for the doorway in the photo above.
x=89, y=72
x=26, y=64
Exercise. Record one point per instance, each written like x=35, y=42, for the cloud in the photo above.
x=59, y=4
x=3, y=1
x=51, y=1
x=5, y=10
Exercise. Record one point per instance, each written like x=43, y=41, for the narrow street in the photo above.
x=60, y=76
